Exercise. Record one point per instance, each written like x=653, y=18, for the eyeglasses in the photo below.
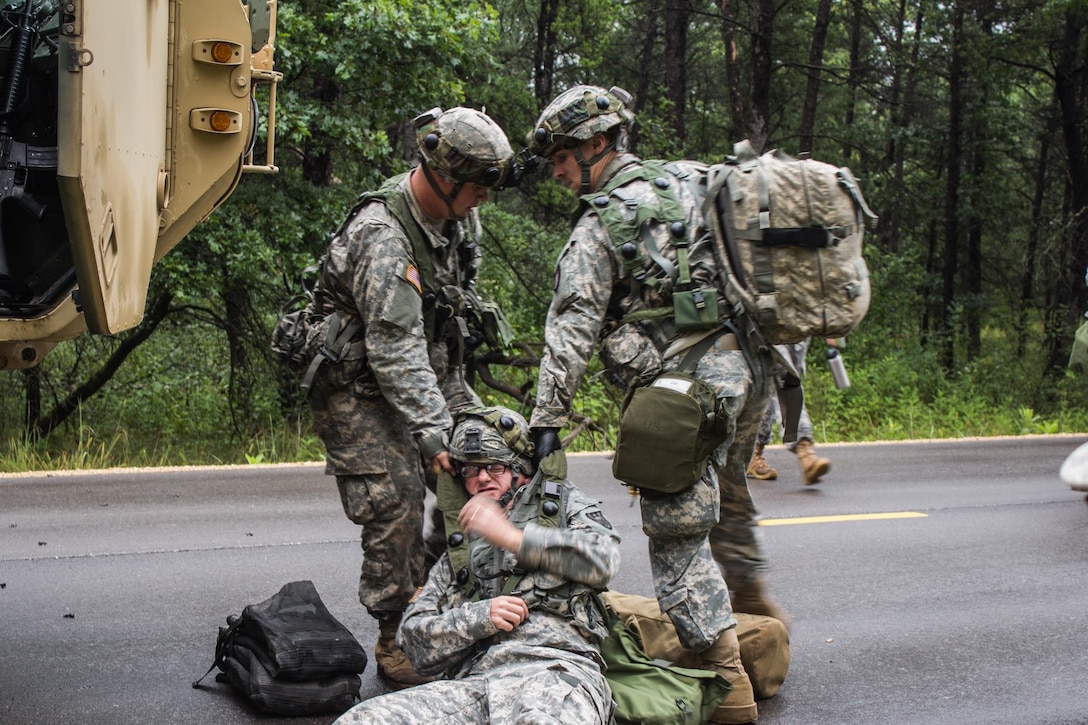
x=493, y=469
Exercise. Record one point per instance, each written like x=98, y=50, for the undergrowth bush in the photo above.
x=168, y=407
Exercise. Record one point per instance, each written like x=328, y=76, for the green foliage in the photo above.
x=204, y=388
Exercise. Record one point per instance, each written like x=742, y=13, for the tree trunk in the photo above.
x=240, y=387
x=732, y=70
x=1070, y=288
x=972, y=309
x=762, y=41
x=812, y=87
x=677, y=17
x=853, y=77
x=649, y=42
x=32, y=377
x=1027, y=277
x=902, y=118
x=544, y=52
x=950, y=269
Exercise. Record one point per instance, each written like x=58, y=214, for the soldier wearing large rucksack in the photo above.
x=674, y=271
x=638, y=251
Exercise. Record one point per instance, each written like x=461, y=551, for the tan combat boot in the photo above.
x=812, y=465
x=393, y=665
x=724, y=656
x=753, y=598
x=759, y=468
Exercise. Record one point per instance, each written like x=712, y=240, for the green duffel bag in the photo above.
x=764, y=641
x=649, y=691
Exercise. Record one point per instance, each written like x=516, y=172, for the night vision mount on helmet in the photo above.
x=491, y=435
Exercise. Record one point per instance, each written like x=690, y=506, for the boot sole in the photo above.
x=735, y=714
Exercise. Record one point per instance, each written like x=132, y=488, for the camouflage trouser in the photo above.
x=707, y=535
x=537, y=692
x=390, y=510
x=380, y=477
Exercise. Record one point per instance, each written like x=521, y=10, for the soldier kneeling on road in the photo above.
x=510, y=614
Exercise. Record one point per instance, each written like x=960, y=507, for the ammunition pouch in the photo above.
x=307, y=342
x=695, y=309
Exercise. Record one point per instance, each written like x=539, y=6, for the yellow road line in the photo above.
x=843, y=517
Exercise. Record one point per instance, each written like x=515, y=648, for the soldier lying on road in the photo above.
x=510, y=614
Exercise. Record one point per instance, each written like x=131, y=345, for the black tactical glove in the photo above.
x=545, y=441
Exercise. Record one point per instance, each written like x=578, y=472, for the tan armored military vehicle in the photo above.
x=123, y=124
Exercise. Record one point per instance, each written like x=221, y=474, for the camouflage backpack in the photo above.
x=792, y=231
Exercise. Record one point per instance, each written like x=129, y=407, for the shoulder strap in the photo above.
x=398, y=207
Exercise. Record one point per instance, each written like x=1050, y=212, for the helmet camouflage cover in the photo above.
x=491, y=435
x=465, y=145
x=577, y=115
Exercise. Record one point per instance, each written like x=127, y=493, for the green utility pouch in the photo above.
x=669, y=428
x=695, y=309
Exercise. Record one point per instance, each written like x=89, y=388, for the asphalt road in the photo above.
x=968, y=605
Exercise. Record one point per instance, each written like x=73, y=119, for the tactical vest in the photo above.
x=541, y=501
x=434, y=298
x=308, y=337
x=693, y=308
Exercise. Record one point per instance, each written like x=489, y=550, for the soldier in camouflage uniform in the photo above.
x=705, y=535
x=398, y=271
x=513, y=621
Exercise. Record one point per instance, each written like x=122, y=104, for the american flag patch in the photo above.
x=412, y=275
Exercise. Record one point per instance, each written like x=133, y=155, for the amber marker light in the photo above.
x=222, y=52
x=220, y=120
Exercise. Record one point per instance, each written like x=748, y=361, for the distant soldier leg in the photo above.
x=759, y=467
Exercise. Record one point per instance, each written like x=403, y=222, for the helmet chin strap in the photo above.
x=447, y=198
x=586, y=165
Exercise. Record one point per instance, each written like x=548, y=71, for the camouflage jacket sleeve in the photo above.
x=587, y=550
x=384, y=284
x=441, y=627
x=584, y=277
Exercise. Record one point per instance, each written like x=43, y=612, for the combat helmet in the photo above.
x=492, y=434
x=579, y=113
x=576, y=115
x=463, y=145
